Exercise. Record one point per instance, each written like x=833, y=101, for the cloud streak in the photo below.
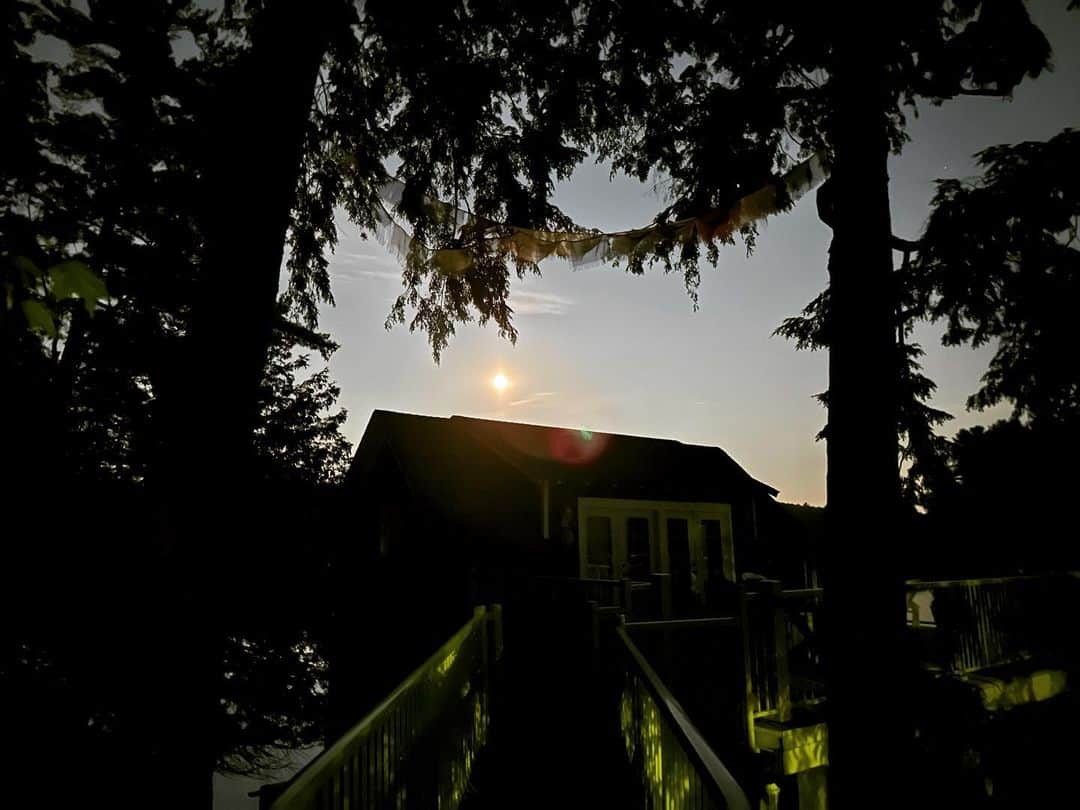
x=531, y=399
x=357, y=273
x=525, y=302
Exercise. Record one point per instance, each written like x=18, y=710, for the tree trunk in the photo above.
x=203, y=478
x=868, y=728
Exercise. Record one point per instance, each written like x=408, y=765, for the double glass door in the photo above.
x=631, y=539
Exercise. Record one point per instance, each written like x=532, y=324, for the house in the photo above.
x=443, y=494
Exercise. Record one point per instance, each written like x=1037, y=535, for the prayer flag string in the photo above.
x=585, y=248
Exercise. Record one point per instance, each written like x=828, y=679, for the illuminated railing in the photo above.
x=416, y=749
x=678, y=769
x=784, y=668
x=973, y=624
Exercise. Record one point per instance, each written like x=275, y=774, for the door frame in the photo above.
x=657, y=512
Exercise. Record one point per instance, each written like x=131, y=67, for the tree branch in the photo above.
x=904, y=245
x=983, y=91
x=301, y=334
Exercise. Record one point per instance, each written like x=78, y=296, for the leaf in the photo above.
x=73, y=279
x=29, y=273
x=39, y=317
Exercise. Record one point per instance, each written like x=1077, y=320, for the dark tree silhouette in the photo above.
x=298, y=435
x=923, y=454
x=285, y=111
x=1005, y=513
x=1001, y=257
x=292, y=109
x=997, y=262
x=757, y=74
x=109, y=179
x=760, y=78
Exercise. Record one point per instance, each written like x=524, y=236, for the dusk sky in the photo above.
x=607, y=351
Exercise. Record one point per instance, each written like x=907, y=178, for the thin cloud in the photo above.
x=356, y=273
x=531, y=399
x=526, y=302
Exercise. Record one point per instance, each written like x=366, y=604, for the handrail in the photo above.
x=987, y=622
x=777, y=638
x=931, y=584
x=347, y=766
x=576, y=580
x=795, y=594
x=682, y=624
x=719, y=786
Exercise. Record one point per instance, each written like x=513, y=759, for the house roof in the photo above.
x=444, y=452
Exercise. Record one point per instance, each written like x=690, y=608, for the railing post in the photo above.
x=480, y=620
x=780, y=651
x=772, y=797
x=748, y=674
x=913, y=606
x=628, y=596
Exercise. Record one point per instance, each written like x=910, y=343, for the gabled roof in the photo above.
x=446, y=452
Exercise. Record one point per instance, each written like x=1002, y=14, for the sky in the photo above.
x=603, y=350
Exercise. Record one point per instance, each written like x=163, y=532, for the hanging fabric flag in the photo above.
x=584, y=248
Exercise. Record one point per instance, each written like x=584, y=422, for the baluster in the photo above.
x=972, y=625
x=344, y=777
x=370, y=746
x=988, y=628
x=999, y=647
x=964, y=630
x=780, y=651
x=1003, y=630
x=384, y=764
x=357, y=781
x=976, y=629
x=386, y=784
x=976, y=651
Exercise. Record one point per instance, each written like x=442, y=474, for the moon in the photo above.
x=500, y=382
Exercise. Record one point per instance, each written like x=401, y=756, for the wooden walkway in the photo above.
x=555, y=739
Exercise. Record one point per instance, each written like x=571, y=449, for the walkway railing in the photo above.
x=784, y=669
x=678, y=769
x=974, y=624
x=416, y=749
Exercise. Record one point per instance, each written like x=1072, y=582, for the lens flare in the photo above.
x=501, y=382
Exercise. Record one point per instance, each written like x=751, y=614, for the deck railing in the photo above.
x=973, y=624
x=636, y=599
x=677, y=767
x=415, y=749
x=782, y=656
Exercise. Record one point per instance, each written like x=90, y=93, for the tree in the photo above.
x=997, y=262
x=1001, y=261
x=1004, y=514
x=754, y=81
x=110, y=180
x=923, y=454
x=489, y=103
x=287, y=110
x=298, y=437
x=844, y=87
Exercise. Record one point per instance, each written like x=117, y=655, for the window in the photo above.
x=718, y=559
x=638, y=554
x=598, y=531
